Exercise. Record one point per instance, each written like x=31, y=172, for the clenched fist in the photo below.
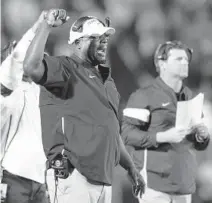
x=56, y=17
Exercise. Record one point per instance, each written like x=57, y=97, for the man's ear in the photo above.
x=78, y=43
x=161, y=64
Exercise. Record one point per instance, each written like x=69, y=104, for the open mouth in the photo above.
x=102, y=51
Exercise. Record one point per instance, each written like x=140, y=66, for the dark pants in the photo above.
x=23, y=190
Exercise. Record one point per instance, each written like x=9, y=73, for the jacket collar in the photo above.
x=104, y=70
x=163, y=85
x=183, y=94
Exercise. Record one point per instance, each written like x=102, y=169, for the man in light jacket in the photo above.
x=22, y=155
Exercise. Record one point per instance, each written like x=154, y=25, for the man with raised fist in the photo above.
x=80, y=86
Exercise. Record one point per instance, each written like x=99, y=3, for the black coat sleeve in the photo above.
x=134, y=131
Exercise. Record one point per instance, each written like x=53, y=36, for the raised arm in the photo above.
x=33, y=62
x=11, y=71
x=33, y=65
x=20, y=50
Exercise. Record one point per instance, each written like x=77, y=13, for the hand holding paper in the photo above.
x=189, y=112
x=173, y=135
x=202, y=132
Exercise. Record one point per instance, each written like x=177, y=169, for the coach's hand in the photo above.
x=138, y=184
x=173, y=135
x=56, y=17
x=202, y=132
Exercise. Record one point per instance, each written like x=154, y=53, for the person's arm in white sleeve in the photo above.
x=11, y=70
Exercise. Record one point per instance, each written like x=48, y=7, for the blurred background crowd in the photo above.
x=140, y=26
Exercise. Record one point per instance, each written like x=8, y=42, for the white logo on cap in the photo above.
x=92, y=21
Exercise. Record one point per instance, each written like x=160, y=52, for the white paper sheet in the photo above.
x=189, y=112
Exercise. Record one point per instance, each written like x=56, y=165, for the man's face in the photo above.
x=97, y=50
x=177, y=64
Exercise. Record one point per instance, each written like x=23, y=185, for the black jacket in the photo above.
x=171, y=168
x=87, y=101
